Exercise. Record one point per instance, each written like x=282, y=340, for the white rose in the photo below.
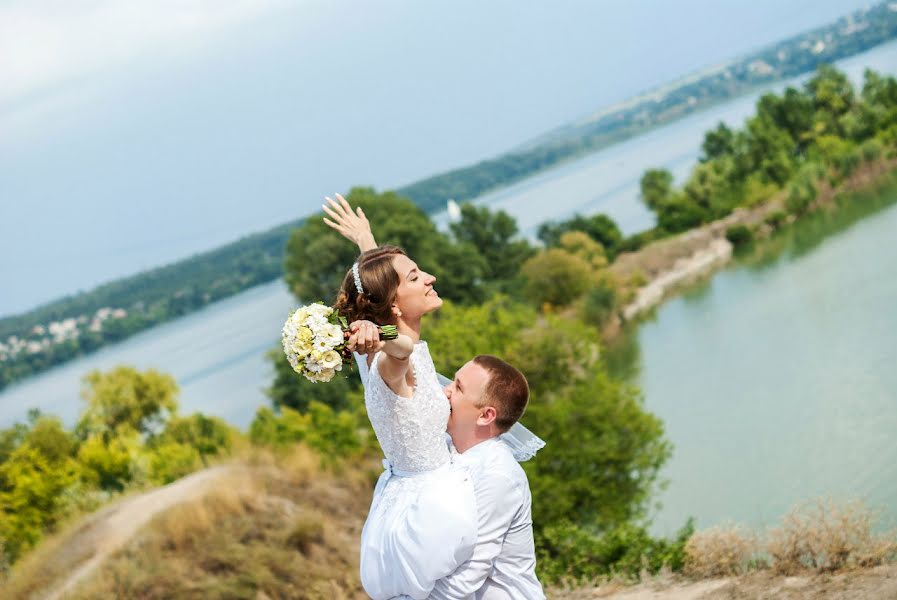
x=320, y=310
x=316, y=322
x=331, y=360
x=333, y=335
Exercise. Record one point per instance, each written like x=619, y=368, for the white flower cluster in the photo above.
x=312, y=341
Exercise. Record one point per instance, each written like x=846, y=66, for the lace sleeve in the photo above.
x=524, y=444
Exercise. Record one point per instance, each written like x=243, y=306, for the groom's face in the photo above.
x=465, y=395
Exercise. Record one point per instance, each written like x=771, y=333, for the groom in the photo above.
x=487, y=397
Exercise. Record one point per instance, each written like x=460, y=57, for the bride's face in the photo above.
x=415, y=295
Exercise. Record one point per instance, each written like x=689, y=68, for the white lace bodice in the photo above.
x=411, y=431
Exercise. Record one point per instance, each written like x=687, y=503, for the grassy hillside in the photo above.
x=267, y=527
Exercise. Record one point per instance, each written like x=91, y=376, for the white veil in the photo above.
x=524, y=444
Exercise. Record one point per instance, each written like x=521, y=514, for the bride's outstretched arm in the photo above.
x=394, y=364
x=353, y=226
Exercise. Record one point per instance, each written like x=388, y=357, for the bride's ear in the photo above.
x=395, y=310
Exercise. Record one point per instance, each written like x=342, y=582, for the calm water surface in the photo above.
x=776, y=379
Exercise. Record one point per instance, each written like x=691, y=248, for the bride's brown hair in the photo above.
x=379, y=282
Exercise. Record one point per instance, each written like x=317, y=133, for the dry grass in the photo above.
x=825, y=537
x=271, y=526
x=719, y=551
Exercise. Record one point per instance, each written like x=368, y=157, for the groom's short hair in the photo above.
x=506, y=390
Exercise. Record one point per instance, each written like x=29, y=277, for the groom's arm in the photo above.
x=498, y=501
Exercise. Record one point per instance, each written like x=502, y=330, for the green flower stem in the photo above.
x=388, y=332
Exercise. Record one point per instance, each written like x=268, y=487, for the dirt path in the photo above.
x=879, y=583
x=115, y=525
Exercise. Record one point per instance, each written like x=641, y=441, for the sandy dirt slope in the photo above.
x=112, y=527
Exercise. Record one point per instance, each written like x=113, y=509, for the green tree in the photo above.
x=602, y=464
x=494, y=236
x=110, y=462
x=793, y=113
x=335, y=435
x=600, y=303
x=125, y=398
x=556, y=277
x=209, y=436
x=656, y=186
x=457, y=333
x=170, y=461
x=582, y=245
x=50, y=438
x=770, y=149
x=10, y=439
x=718, y=142
x=555, y=352
x=599, y=227
x=833, y=97
x=31, y=492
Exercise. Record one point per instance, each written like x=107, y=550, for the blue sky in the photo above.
x=136, y=133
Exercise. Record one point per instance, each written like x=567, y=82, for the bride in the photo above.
x=423, y=519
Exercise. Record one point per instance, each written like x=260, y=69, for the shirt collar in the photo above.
x=481, y=448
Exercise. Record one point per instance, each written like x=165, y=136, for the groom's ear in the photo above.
x=488, y=414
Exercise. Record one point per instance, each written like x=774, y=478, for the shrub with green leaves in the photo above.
x=738, y=235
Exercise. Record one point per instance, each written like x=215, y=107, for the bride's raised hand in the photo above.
x=354, y=226
x=364, y=337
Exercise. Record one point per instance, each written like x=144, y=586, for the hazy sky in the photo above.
x=136, y=133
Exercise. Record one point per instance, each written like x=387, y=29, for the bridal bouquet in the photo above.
x=314, y=340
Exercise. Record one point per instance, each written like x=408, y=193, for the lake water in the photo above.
x=776, y=383
x=775, y=379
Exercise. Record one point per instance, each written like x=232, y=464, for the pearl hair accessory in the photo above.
x=357, y=277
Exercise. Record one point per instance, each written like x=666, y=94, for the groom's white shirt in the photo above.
x=503, y=563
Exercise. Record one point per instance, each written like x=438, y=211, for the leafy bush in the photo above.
x=605, y=421
x=776, y=219
x=125, y=398
x=109, y=463
x=739, y=235
x=456, y=333
x=571, y=553
x=171, y=461
x=209, y=436
x=801, y=193
x=871, y=150
x=555, y=277
x=599, y=227
x=335, y=435
x=31, y=489
x=600, y=303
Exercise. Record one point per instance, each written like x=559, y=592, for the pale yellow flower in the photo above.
x=330, y=360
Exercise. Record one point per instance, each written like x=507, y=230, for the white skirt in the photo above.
x=421, y=527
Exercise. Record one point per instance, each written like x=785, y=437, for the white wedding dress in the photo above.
x=423, y=518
